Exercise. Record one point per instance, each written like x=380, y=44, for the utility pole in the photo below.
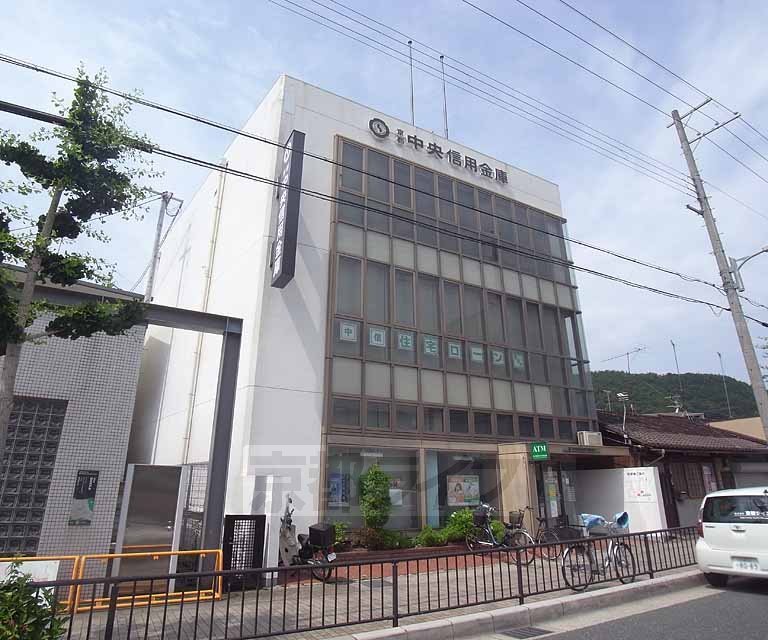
x=607, y=393
x=677, y=368
x=742, y=330
x=165, y=198
x=725, y=386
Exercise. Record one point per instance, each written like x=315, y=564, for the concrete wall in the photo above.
x=606, y=492
x=98, y=377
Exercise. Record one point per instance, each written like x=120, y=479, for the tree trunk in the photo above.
x=13, y=349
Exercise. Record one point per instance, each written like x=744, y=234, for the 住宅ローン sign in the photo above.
x=539, y=451
x=289, y=195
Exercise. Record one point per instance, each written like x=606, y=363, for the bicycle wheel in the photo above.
x=577, y=567
x=624, y=563
x=523, y=539
x=321, y=569
x=553, y=549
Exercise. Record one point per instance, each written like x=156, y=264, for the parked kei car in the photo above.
x=733, y=535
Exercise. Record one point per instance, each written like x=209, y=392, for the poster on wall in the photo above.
x=84, y=499
x=639, y=485
x=338, y=489
x=463, y=491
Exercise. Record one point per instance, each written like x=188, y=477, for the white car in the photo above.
x=733, y=535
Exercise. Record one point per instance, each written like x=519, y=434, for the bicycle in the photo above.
x=545, y=536
x=579, y=562
x=514, y=535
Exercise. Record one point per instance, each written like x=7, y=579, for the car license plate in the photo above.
x=331, y=557
x=746, y=564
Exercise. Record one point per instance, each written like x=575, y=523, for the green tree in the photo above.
x=27, y=613
x=88, y=171
x=375, y=503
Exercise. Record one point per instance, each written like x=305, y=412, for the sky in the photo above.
x=219, y=60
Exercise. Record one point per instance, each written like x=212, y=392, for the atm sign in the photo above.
x=539, y=451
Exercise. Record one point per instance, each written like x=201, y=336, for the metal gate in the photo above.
x=244, y=546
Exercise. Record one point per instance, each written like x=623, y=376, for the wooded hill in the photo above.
x=702, y=393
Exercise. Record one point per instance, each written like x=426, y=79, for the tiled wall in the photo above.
x=97, y=377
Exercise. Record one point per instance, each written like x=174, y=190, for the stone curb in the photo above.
x=486, y=622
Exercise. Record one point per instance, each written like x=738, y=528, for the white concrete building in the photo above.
x=408, y=336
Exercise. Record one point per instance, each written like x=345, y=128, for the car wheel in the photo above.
x=716, y=579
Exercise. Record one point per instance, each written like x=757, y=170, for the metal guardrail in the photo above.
x=358, y=592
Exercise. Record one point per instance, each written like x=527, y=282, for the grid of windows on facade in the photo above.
x=453, y=481
x=439, y=336
x=34, y=432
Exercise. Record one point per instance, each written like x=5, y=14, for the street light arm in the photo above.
x=740, y=262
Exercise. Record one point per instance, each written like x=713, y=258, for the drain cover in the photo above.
x=526, y=632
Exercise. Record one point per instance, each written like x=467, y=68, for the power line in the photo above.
x=416, y=190
x=495, y=83
x=660, y=65
x=435, y=72
x=603, y=78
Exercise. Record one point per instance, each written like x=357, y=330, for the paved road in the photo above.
x=739, y=612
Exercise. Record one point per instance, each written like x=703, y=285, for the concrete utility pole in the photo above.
x=742, y=331
x=165, y=198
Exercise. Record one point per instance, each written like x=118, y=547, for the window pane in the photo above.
x=565, y=429
x=425, y=232
x=523, y=232
x=561, y=405
x=425, y=184
x=403, y=346
x=483, y=423
x=546, y=428
x=348, y=282
x=430, y=351
x=503, y=208
x=346, y=337
x=470, y=248
x=376, y=347
x=452, y=306
x=581, y=403
x=484, y=203
x=377, y=292
x=515, y=334
x=448, y=240
x=378, y=415
x=378, y=165
x=465, y=195
x=526, y=426
x=498, y=360
x=346, y=412
x=404, y=312
x=551, y=339
x=519, y=362
x=476, y=357
x=575, y=373
x=494, y=319
x=473, y=313
x=445, y=191
x=402, y=225
x=428, y=303
x=454, y=355
x=406, y=418
x=403, y=177
x=459, y=421
x=555, y=366
x=538, y=368
x=489, y=249
x=534, y=329
x=505, y=424
x=378, y=216
x=569, y=332
x=350, y=208
x=433, y=420
x=352, y=156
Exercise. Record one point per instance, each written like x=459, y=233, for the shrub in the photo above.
x=498, y=529
x=459, y=525
x=428, y=537
x=375, y=504
x=25, y=612
x=342, y=532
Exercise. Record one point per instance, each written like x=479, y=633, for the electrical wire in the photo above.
x=495, y=83
x=436, y=72
x=418, y=223
x=660, y=65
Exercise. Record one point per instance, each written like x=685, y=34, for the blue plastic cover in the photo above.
x=592, y=520
x=621, y=519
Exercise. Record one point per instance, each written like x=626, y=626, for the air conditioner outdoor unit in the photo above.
x=590, y=438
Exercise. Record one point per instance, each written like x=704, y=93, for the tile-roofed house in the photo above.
x=693, y=458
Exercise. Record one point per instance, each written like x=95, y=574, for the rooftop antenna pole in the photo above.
x=725, y=386
x=607, y=393
x=445, y=98
x=410, y=64
x=624, y=398
x=679, y=379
